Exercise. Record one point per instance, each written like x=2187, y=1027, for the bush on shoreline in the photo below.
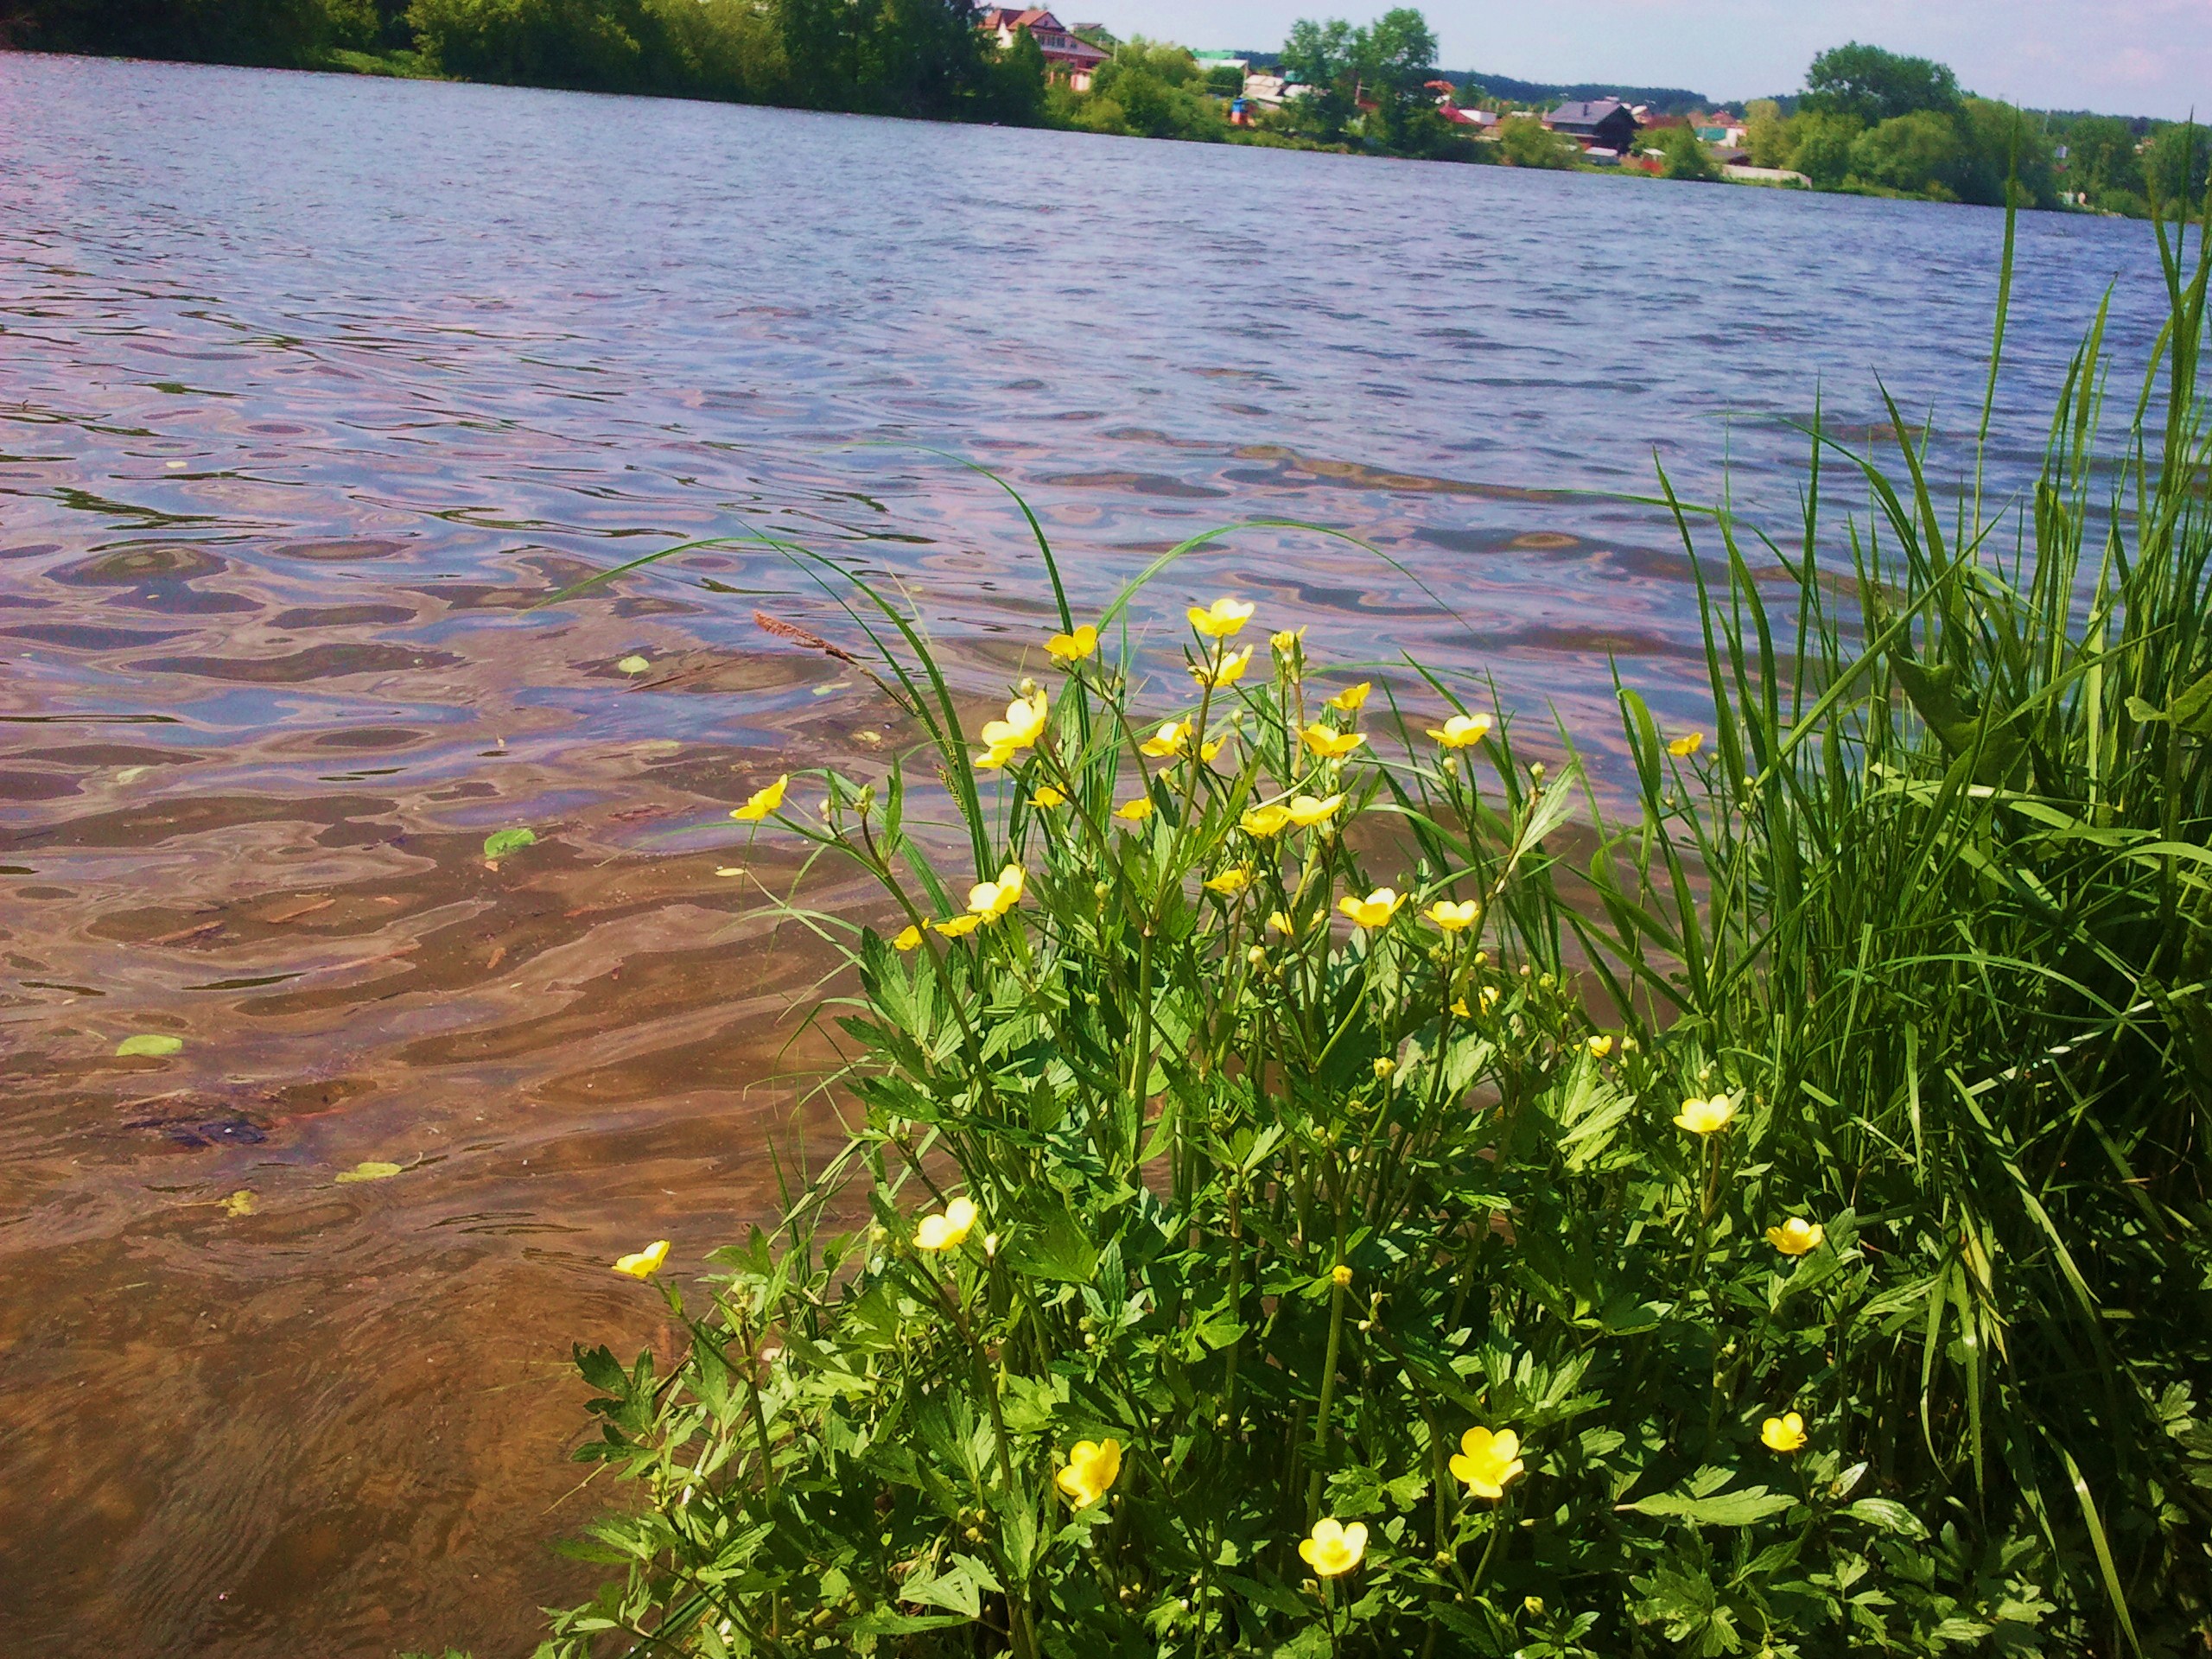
x=1311, y=1212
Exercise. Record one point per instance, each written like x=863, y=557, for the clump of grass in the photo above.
x=1302, y=1225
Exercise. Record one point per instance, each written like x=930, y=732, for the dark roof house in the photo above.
x=1605, y=123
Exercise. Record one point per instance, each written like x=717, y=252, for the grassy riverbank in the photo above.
x=1315, y=1209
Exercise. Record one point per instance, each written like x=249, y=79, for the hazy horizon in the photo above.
x=2122, y=57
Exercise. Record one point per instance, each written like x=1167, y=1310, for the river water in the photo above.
x=310, y=387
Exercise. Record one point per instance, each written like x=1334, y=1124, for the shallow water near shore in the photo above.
x=311, y=389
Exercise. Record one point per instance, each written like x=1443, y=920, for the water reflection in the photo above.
x=318, y=388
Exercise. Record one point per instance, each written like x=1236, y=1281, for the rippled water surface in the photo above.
x=311, y=388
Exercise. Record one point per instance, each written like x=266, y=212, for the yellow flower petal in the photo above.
x=1073, y=647
x=946, y=1231
x=1171, y=739
x=1287, y=640
x=643, y=1264
x=1136, y=810
x=1231, y=882
x=1047, y=797
x=1350, y=699
x=992, y=900
x=1454, y=918
x=1374, y=911
x=1704, y=1116
x=1461, y=731
x=1092, y=1468
x=1796, y=1236
x=1683, y=748
x=1334, y=1549
x=762, y=802
x=909, y=938
x=1221, y=619
x=1023, y=723
x=1600, y=1046
x=1784, y=1433
x=1330, y=745
x=1486, y=1461
x=1305, y=811
x=1266, y=821
x=958, y=927
x=1227, y=672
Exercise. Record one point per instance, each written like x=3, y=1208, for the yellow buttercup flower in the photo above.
x=1305, y=811
x=1374, y=911
x=643, y=1264
x=1266, y=821
x=1073, y=647
x=1600, y=1046
x=1487, y=1461
x=1287, y=640
x=1784, y=1433
x=909, y=939
x=1340, y=1276
x=1795, y=1236
x=1136, y=811
x=1459, y=1008
x=1334, y=1549
x=959, y=927
x=994, y=757
x=762, y=802
x=1221, y=619
x=1384, y=1065
x=1171, y=738
x=1023, y=725
x=1704, y=1116
x=1048, y=797
x=1683, y=748
x=1330, y=745
x=1350, y=699
x=992, y=900
x=1230, y=669
x=1093, y=1466
x=1207, y=751
x=1461, y=731
x=1453, y=918
x=945, y=1232
x=1279, y=922
x=1232, y=881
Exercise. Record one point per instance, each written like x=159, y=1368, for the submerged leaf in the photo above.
x=633, y=664
x=152, y=1044
x=241, y=1203
x=370, y=1171
x=500, y=842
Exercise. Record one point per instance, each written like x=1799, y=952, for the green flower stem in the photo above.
x=1337, y=1300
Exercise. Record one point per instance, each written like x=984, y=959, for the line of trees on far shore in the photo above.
x=1869, y=121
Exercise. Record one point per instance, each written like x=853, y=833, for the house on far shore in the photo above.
x=1447, y=105
x=1067, y=55
x=1599, y=123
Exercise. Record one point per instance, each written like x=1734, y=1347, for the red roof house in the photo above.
x=1065, y=53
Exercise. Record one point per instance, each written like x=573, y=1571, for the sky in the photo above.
x=2122, y=57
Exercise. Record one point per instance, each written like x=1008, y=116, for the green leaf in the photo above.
x=500, y=842
x=370, y=1171
x=1054, y=1246
x=151, y=1045
x=1747, y=1508
x=633, y=664
x=2192, y=709
x=1889, y=1515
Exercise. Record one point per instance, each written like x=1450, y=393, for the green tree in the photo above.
x=1922, y=154
x=1317, y=54
x=1224, y=79
x=2100, y=158
x=1019, y=83
x=1683, y=154
x=275, y=33
x=2001, y=143
x=1877, y=86
x=1152, y=90
x=1396, y=54
x=1524, y=140
x=916, y=57
x=1765, y=135
x=576, y=43
x=1820, y=146
x=2176, y=166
